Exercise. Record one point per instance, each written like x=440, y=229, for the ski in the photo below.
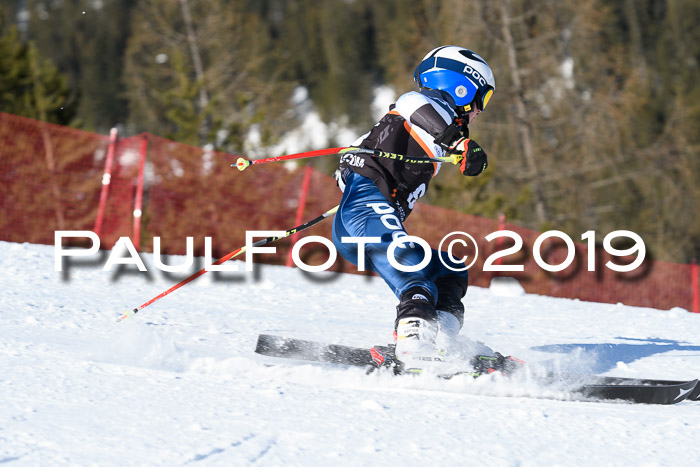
x=275, y=346
x=694, y=395
x=643, y=391
x=640, y=393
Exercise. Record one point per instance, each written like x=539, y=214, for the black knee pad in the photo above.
x=451, y=290
x=416, y=302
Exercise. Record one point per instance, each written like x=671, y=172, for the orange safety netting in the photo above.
x=51, y=178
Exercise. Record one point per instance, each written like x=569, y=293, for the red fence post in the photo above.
x=696, y=290
x=300, y=209
x=138, y=199
x=106, y=180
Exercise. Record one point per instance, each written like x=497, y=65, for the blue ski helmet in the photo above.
x=460, y=72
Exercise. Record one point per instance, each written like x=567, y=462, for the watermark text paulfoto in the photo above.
x=124, y=252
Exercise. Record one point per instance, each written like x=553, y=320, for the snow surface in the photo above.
x=179, y=383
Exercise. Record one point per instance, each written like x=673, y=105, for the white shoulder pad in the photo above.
x=408, y=103
x=360, y=139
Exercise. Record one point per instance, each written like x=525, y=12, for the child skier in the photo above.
x=455, y=85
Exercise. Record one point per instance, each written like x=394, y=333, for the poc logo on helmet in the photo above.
x=475, y=74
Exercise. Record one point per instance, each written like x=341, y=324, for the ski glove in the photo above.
x=474, y=160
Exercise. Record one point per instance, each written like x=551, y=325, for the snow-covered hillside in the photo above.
x=179, y=383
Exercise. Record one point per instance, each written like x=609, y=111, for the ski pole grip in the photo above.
x=242, y=163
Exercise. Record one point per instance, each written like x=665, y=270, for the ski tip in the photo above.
x=241, y=164
x=688, y=391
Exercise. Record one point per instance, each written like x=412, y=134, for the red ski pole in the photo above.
x=243, y=163
x=233, y=254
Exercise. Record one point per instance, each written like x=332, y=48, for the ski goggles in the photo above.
x=480, y=101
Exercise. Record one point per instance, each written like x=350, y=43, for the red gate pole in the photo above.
x=696, y=291
x=300, y=209
x=138, y=200
x=106, y=180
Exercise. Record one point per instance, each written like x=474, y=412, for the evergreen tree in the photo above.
x=203, y=72
x=328, y=48
x=86, y=40
x=31, y=86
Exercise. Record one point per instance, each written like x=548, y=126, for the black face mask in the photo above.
x=453, y=133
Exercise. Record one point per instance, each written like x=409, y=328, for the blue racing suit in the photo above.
x=365, y=212
x=378, y=195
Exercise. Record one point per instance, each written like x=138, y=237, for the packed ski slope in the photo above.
x=179, y=383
